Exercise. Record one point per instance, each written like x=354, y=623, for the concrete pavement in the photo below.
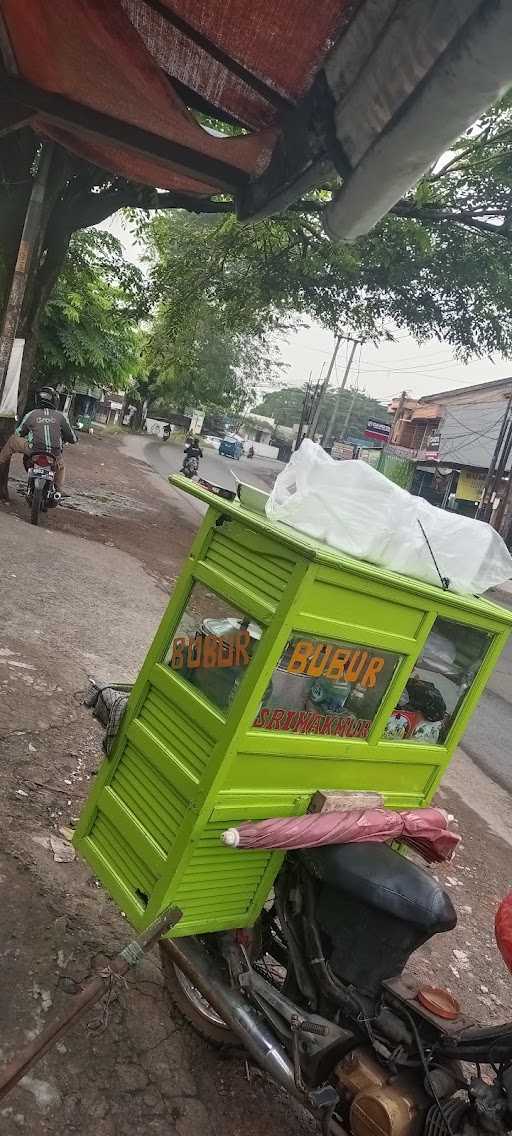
x=70, y=606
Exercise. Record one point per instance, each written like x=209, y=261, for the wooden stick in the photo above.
x=128, y=957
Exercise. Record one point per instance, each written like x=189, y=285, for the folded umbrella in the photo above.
x=425, y=830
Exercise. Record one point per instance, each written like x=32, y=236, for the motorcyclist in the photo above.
x=42, y=431
x=192, y=450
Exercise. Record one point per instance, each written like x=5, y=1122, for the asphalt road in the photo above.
x=488, y=738
x=166, y=458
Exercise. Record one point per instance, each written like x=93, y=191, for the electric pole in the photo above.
x=312, y=425
x=484, y=510
x=396, y=416
x=305, y=411
x=348, y=415
x=330, y=426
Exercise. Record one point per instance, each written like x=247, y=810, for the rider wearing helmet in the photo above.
x=42, y=431
x=192, y=450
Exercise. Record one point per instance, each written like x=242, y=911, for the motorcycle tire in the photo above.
x=36, y=504
x=193, y=1007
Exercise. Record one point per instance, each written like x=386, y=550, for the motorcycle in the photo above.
x=315, y=993
x=190, y=467
x=40, y=492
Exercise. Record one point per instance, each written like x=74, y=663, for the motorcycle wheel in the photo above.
x=193, y=1006
x=36, y=504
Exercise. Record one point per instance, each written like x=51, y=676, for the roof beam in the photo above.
x=197, y=102
x=13, y=116
x=179, y=158
x=279, y=101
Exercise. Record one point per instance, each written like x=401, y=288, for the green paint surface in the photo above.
x=185, y=766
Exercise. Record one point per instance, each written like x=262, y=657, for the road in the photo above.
x=487, y=738
x=166, y=458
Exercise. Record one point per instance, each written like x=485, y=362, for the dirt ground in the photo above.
x=114, y=500
x=82, y=596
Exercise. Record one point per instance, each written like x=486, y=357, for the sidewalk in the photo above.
x=75, y=602
x=72, y=606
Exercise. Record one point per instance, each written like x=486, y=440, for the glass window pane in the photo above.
x=449, y=662
x=213, y=645
x=327, y=687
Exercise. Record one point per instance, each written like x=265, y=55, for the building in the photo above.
x=446, y=443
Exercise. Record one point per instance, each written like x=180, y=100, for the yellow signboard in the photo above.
x=470, y=485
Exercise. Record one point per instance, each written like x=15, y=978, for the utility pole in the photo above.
x=330, y=426
x=312, y=425
x=348, y=415
x=397, y=414
x=304, y=413
x=484, y=510
x=30, y=240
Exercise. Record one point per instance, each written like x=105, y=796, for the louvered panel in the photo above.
x=220, y=882
x=176, y=731
x=152, y=800
x=260, y=572
x=106, y=841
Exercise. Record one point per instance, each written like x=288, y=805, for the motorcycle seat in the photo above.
x=383, y=879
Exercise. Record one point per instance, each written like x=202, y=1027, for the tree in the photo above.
x=426, y=279
x=79, y=196
x=459, y=216
x=196, y=362
x=285, y=407
x=88, y=328
x=437, y=265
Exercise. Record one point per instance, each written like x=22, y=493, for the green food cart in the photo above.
x=280, y=667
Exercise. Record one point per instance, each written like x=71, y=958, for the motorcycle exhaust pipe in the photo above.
x=56, y=495
x=235, y=1011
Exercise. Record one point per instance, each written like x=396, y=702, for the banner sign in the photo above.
x=381, y=431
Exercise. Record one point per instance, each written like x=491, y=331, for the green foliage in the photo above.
x=438, y=265
x=285, y=407
x=198, y=357
x=200, y=363
x=88, y=329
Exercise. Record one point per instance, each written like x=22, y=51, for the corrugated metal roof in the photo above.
x=469, y=433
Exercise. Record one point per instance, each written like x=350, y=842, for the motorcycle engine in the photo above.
x=379, y=1105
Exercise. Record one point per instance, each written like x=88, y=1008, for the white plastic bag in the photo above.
x=350, y=506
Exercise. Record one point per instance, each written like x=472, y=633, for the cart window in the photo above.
x=213, y=645
x=326, y=687
x=450, y=660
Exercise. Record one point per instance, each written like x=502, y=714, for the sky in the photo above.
x=386, y=370
x=382, y=372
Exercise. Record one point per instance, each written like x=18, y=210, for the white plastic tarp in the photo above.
x=353, y=508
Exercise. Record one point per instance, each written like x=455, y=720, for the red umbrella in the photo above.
x=425, y=830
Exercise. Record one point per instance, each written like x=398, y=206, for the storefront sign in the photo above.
x=381, y=431
x=326, y=687
x=470, y=485
x=189, y=652
x=342, y=452
x=335, y=663
x=309, y=722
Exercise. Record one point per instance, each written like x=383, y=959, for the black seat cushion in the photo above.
x=376, y=875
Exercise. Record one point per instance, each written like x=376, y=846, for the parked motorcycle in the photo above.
x=316, y=994
x=40, y=492
x=190, y=467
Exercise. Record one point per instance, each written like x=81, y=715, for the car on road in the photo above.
x=230, y=448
